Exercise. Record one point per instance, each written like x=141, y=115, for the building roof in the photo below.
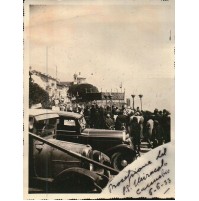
x=114, y=95
x=60, y=84
x=66, y=83
x=43, y=74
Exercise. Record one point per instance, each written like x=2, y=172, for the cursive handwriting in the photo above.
x=163, y=173
x=150, y=177
x=145, y=176
x=140, y=179
x=128, y=177
x=161, y=154
x=159, y=185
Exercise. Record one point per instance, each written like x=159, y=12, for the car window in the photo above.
x=66, y=124
x=52, y=121
x=45, y=127
x=69, y=122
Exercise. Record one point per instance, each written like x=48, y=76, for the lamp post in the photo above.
x=133, y=96
x=141, y=100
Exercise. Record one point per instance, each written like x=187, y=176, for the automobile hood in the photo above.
x=78, y=148
x=91, y=132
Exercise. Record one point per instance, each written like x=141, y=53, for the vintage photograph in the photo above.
x=99, y=99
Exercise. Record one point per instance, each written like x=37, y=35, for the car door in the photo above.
x=42, y=159
x=42, y=152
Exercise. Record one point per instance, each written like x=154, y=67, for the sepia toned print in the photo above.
x=99, y=99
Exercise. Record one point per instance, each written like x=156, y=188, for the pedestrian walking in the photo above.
x=135, y=134
x=157, y=134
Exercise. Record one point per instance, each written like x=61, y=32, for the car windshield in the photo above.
x=82, y=123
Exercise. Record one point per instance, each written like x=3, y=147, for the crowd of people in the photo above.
x=152, y=127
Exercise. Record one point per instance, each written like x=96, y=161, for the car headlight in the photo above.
x=89, y=154
x=91, y=167
x=97, y=156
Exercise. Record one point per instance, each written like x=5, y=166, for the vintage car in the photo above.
x=115, y=143
x=52, y=170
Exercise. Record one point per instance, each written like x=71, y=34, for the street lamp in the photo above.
x=141, y=100
x=133, y=96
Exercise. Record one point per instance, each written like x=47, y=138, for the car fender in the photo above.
x=78, y=171
x=87, y=177
x=120, y=148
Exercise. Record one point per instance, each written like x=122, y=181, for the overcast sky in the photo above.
x=108, y=44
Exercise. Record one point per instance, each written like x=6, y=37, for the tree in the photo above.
x=80, y=90
x=37, y=94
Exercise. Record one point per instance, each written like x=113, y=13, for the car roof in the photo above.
x=69, y=114
x=37, y=112
x=41, y=114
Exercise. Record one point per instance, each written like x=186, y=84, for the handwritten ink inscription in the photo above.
x=148, y=179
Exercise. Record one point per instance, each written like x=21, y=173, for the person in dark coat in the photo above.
x=141, y=123
x=135, y=133
x=157, y=134
x=97, y=118
x=109, y=122
x=92, y=116
x=166, y=125
x=148, y=132
x=121, y=122
x=87, y=116
x=102, y=117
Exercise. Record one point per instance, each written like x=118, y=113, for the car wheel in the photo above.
x=76, y=183
x=121, y=160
